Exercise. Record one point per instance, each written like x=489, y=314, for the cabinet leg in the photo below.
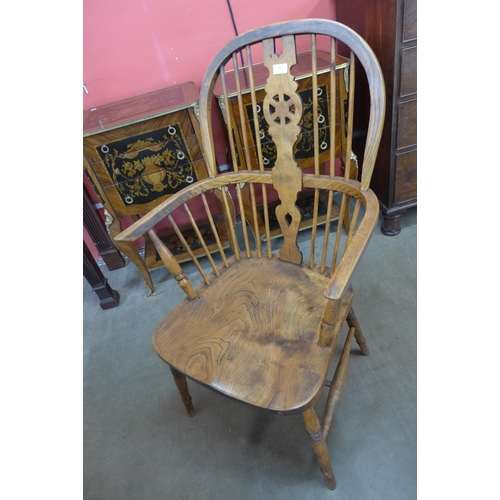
x=131, y=252
x=391, y=226
x=108, y=297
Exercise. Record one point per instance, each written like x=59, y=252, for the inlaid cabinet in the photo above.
x=137, y=153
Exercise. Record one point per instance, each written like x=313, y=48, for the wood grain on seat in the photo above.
x=253, y=334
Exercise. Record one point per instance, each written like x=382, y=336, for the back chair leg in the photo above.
x=353, y=322
x=181, y=383
x=319, y=447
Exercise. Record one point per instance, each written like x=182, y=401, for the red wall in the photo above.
x=135, y=46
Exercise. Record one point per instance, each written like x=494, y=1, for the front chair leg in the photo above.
x=181, y=383
x=353, y=322
x=319, y=447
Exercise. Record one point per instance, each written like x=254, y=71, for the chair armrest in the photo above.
x=342, y=274
x=156, y=215
x=147, y=222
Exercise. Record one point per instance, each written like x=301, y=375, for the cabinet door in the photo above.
x=140, y=165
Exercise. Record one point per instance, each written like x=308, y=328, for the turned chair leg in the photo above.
x=353, y=322
x=319, y=447
x=181, y=383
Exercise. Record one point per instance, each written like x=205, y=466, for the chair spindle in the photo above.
x=344, y=206
x=186, y=246
x=350, y=117
x=229, y=119
x=214, y=229
x=333, y=104
x=201, y=239
x=241, y=110
x=234, y=240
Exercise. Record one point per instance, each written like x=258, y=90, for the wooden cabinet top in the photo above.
x=302, y=69
x=139, y=108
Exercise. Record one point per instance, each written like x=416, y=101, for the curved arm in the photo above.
x=342, y=274
x=156, y=215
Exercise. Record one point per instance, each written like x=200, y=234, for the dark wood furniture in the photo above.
x=390, y=28
x=137, y=153
x=247, y=153
x=96, y=229
x=108, y=297
x=263, y=323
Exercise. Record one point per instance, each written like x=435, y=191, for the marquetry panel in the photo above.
x=141, y=165
x=304, y=147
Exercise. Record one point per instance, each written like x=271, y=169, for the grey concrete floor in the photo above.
x=139, y=443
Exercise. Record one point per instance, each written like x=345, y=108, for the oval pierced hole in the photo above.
x=288, y=219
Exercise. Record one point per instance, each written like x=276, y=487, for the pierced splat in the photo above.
x=283, y=110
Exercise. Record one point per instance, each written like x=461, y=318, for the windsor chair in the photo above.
x=263, y=323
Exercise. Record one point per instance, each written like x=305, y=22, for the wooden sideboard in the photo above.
x=390, y=28
x=304, y=148
x=138, y=152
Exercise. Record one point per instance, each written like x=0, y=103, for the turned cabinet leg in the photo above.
x=353, y=322
x=391, y=225
x=181, y=383
x=108, y=297
x=319, y=447
x=131, y=252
